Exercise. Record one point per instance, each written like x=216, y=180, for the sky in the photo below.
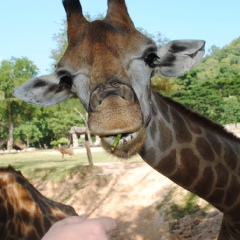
x=27, y=27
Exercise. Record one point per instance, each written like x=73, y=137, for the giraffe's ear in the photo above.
x=43, y=91
x=178, y=56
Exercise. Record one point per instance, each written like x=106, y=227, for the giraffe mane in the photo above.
x=200, y=120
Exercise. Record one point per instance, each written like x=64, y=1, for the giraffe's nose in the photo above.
x=103, y=92
x=109, y=90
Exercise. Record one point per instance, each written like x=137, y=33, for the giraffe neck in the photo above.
x=194, y=153
x=24, y=212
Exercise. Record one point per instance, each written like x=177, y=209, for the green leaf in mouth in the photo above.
x=116, y=142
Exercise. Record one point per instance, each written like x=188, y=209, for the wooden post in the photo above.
x=87, y=129
x=74, y=140
x=88, y=144
x=88, y=149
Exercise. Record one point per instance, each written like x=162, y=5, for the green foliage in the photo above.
x=33, y=125
x=63, y=117
x=189, y=207
x=13, y=72
x=231, y=110
x=54, y=143
x=221, y=64
x=63, y=141
x=160, y=39
x=212, y=88
x=166, y=86
x=217, y=99
x=187, y=204
x=28, y=131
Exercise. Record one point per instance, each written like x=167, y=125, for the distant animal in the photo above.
x=64, y=150
x=25, y=212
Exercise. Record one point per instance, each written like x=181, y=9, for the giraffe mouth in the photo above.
x=123, y=140
x=124, y=145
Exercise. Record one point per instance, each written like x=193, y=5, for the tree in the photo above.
x=213, y=49
x=164, y=85
x=231, y=110
x=61, y=122
x=216, y=99
x=28, y=131
x=14, y=72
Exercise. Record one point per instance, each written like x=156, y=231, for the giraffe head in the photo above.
x=108, y=65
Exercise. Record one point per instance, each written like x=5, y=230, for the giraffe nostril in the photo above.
x=117, y=90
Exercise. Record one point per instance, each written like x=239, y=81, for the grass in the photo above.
x=48, y=164
x=186, y=203
x=188, y=207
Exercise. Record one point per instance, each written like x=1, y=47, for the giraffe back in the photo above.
x=25, y=213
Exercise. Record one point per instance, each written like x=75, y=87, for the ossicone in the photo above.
x=117, y=14
x=75, y=19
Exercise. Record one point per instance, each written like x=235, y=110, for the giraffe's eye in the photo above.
x=150, y=59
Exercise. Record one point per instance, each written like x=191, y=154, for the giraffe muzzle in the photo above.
x=128, y=145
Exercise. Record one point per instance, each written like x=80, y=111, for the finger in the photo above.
x=71, y=220
x=107, y=223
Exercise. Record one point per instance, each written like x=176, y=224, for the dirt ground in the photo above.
x=145, y=204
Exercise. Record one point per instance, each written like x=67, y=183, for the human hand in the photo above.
x=81, y=228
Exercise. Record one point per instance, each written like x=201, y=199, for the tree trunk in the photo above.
x=27, y=139
x=88, y=149
x=10, y=131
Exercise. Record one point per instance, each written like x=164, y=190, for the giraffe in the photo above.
x=25, y=213
x=108, y=65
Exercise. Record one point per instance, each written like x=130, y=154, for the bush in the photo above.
x=54, y=143
x=63, y=141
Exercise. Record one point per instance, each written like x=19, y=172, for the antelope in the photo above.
x=64, y=150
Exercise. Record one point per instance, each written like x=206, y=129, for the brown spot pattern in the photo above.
x=230, y=156
x=17, y=220
x=33, y=234
x=222, y=176
x=25, y=215
x=181, y=131
x=234, y=213
x=232, y=192
x=165, y=136
x=204, y=185
x=188, y=168
x=194, y=128
x=148, y=154
x=153, y=130
x=163, y=108
x=214, y=142
x=216, y=197
x=168, y=164
x=205, y=150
